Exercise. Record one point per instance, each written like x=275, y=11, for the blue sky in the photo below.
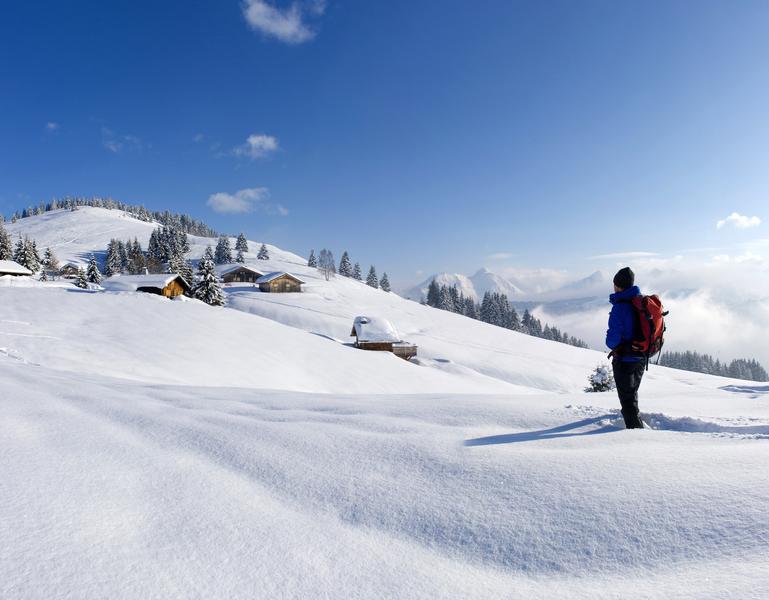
x=420, y=136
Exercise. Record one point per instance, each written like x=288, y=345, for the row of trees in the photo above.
x=223, y=253
x=740, y=368
x=326, y=265
x=182, y=222
x=495, y=309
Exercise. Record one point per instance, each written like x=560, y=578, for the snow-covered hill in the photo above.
x=155, y=449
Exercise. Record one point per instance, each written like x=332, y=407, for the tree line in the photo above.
x=326, y=264
x=495, y=309
x=183, y=222
x=739, y=368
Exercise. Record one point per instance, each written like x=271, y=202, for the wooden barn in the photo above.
x=68, y=270
x=169, y=285
x=279, y=282
x=378, y=334
x=11, y=267
x=234, y=274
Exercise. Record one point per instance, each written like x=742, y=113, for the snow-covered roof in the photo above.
x=131, y=283
x=224, y=269
x=11, y=267
x=374, y=329
x=275, y=275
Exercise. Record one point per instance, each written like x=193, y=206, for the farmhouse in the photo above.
x=169, y=285
x=239, y=274
x=378, y=334
x=279, y=282
x=10, y=267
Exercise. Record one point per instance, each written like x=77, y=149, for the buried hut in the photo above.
x=11, y=267
x=372, y=333
x=169, y=285
x=68, y=270
x=279, y=282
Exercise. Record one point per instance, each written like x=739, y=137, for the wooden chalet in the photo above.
x=169, y=285
x=68, y=270
x=279, y=282
x=234, y=274
x=11, y=267
x=378, y=334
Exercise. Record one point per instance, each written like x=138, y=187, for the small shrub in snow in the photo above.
x=601, y=380
x=82, y=279
x=263, y=253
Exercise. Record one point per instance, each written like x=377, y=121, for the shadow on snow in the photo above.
x=561, y=431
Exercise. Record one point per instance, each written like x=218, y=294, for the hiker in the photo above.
x=628, y=365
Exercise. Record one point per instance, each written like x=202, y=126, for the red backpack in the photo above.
x=650, y=316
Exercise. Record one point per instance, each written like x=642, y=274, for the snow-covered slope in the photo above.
x=166, y=449
x=75, y=235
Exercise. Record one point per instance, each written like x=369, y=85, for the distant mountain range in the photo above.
x=516, y=289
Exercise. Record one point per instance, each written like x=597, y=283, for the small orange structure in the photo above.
x=169, y=285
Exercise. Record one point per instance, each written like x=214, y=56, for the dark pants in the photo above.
x=627, y=376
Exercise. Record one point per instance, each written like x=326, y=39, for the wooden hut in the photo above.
x=234, y=274
x=11, y=267
x=279, y=282
x=378, y=334
x=169, y=285
x=68, y=270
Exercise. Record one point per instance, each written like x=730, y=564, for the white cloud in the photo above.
x=257, y=145
x=116, y=143
x=244, y=201
x=198, y=137
x=286, y=24
x=52, y=126
x=739, y=221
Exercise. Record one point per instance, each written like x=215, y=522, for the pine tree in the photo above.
x=601, y=380
x=345, y=266
x=43, y=276
x=82, y=279
x=263, y=254
x=312, y=261
x=113, y=264
x=223, y=254
x=240, y=258
x=6, y=246
x=93, y=274
x=207, y=286
x=241, y=244
x=357, y=274
x=384, y=284
x=208, y=254
x=433, y=294
x=372, y=280
x=50, y=262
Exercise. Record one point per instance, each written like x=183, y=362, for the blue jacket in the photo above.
x=622, y=320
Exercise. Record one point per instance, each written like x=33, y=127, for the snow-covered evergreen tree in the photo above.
x=433, y=294
x=345, y=266
x=384, y=283
x=357, y=274
x=263, y=253
x=312, y=261
x=93, y=274
x=601, y=380
x=372, y=279
x=223, y=253
x=207, y=286
x=82, y=279
x=50, y=262
x=241, y=244
x=208, y=254
x=6, y=245
x=240, y=258
x=113, y=264
x=43, y=276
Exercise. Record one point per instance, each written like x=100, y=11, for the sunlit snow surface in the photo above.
x=158, y=449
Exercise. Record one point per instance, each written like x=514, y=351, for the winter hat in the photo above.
x=624, y=278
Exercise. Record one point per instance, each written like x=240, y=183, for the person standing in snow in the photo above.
x=623, y=328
